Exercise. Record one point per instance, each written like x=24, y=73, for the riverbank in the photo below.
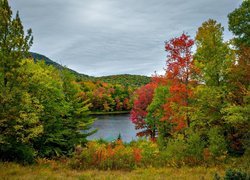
x=109, y=113
x=57, y=170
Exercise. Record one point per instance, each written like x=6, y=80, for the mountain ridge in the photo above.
x=124, y=79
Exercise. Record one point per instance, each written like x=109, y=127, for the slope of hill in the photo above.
x=123, y=79
x=39, y=57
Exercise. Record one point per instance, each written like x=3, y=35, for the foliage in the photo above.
x=13, y=42
x=19, y=112
x=197, y=113
x=212, y=53
x=239, y=23
x=125, y=80
x=195, y=148
x=234, y=174
x=156, y=112
x=63, y=115
x=217, y=144
x=143, y=98
x=133, y=81
x=104, y=97
x=205, y=100
x=176, y=151
x=178, y=73
x=38, y=57
x=106, y=156
x=149, y=152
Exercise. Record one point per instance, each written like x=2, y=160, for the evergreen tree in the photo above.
x=14, y=44
x=19, y=122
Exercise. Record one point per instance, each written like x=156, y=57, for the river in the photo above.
x=110, y=126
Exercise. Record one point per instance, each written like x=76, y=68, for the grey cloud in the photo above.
x=102, y=37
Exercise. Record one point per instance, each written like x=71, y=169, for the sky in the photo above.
x=106, y=37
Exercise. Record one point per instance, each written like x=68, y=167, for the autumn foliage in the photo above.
x=178, y=79
x=206, y=92
x=143, y=98
x=178, y=74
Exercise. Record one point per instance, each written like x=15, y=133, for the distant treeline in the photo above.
x=122, y=79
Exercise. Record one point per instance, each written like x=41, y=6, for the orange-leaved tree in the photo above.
x=178, y=73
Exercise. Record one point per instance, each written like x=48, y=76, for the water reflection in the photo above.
x=109, y=127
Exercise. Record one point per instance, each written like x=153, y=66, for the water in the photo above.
x=109, y=127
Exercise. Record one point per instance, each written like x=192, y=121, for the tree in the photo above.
x=239, y=23
x=19, y=112
x=13, y=42
x=213, y=58
x=178, y=73
x=220, y=100
x=144, y=96
x=63, y=114
x=236, y=113
x=239, y=74
x=212, y=55
x=156, y=112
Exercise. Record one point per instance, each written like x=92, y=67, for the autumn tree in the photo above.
x=143, y=97
x=65, y=113
x=219, y=100
x=212, y=53
x=178, y=72
x=213, y=58
x=156, y=112
x=236, y=113
x=239, y=26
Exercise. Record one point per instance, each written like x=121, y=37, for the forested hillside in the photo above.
x=39, y=57
x=122, y=79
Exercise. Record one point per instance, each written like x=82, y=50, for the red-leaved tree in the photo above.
x=143, y=98
x=178, y=73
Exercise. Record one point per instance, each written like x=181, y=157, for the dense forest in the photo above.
x=197, y=113
x=105, y=93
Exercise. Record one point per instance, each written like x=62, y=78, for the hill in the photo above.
x=123, y=79
x=40, y=57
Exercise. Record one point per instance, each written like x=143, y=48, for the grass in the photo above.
x=60, y=171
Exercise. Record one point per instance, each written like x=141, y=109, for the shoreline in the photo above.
x=109, y=113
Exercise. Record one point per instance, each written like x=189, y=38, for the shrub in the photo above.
x=107, y=156
x=195, y=148
x=176, y=151
x=233, y=175
x=17, y=152
x=217, y=143
x=149, y=152
x=236, y=175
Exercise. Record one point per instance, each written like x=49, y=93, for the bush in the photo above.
x=236, y=175
x=233, y=175
x=107, y=156
x=217, y=144
x=195, y=149
x=18, y=152
x=176, y=151
x=149, y=152
x=180, y=151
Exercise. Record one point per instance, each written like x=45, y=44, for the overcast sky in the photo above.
x=104, y=37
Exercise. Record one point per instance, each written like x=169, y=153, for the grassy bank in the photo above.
x=57, y=170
